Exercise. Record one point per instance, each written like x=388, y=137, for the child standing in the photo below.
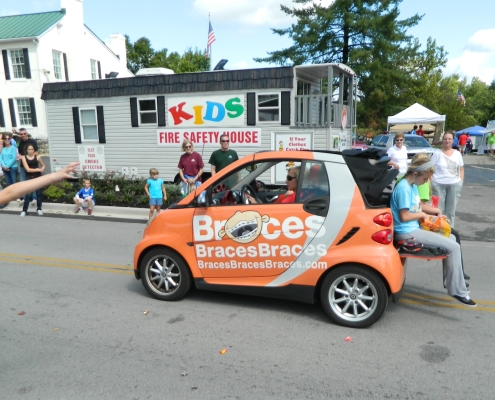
x=31, y=164
x=85, y=197
x=154, y=188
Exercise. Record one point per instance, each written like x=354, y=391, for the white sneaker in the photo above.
x=23, y=214
x=33, y=202
x=39, y=212
x=20, y=201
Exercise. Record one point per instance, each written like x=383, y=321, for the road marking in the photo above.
x=489, y=169
x=444, y=301
x=69, y=264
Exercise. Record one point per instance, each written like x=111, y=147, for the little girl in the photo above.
x=154, y=188
x=31, y=164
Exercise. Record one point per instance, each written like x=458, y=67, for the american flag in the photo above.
x=461, y=98
x=211, y=39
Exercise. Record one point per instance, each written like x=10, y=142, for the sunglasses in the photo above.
x=289, y=178
x=225, y=141
x=187, y=147
x=399, y=140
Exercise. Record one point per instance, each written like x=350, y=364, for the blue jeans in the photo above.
x=10, y=176
x=448, y=195
x=23, y=177
x=29, y=197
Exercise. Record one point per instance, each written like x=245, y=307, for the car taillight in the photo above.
x=384, y=219
x=383, y=237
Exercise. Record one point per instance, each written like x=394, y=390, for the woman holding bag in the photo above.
x=448, y=177
x=407, y=211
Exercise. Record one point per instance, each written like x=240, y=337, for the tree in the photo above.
x=368, y=36
x=140, y=54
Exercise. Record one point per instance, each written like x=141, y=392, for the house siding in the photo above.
x=128, y=146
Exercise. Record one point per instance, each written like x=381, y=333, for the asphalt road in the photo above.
x=84, y=334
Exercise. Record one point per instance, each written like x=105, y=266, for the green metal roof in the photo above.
x=28, y=25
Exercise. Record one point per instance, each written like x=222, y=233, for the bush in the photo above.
x=53, y=192
x=131, y=190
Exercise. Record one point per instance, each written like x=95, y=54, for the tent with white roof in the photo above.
x=417, y=115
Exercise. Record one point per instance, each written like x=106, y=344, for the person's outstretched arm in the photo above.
x=20, y=189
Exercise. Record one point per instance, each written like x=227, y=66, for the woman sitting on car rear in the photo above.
x=407, y=211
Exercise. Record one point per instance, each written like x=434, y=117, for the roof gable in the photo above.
x=28, y=25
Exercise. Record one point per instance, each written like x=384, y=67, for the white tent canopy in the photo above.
x=416, y=114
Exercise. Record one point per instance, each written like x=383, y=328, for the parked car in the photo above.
x=333, y=244
x=414, y=144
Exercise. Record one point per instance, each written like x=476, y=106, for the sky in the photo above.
x=466, y=30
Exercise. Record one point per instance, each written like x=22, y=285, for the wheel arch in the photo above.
x=137, y=272
x=343, y=265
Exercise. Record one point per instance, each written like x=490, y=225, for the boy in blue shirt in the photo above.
x=155, y=189
x=85, y=197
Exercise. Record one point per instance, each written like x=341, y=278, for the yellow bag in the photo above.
x=436, y=224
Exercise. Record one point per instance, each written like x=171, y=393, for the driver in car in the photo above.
x=291, y=182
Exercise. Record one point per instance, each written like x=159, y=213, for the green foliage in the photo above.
x=53, y=192
x=140, y=54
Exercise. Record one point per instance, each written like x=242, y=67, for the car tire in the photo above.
x=354, y=296
x=165, y=274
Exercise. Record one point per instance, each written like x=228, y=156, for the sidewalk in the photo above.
x=100, y=213
x=474, y=159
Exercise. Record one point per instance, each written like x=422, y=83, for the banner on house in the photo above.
x=209, y=137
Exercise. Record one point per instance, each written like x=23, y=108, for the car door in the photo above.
x=235, y=240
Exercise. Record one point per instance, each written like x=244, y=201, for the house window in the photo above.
x=269, y=107
x=94, y=69
x=57, y=64
x=89, y=126
x=24, y=112
x=147, y=111
x=17, y=59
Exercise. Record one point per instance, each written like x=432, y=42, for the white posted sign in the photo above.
x=92, y=157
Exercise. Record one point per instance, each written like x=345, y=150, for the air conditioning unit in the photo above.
x=154, y=71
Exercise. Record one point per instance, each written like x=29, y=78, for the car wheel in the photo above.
x=165, y=274
x=354, y=296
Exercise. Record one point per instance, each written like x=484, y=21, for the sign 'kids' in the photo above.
x=185, y=112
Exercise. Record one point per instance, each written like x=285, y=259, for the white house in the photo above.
x=50, y=47
x=132, y=124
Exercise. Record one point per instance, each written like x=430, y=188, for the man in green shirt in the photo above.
x=222, y=157
x=490, y=141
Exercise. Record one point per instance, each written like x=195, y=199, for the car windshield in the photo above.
x=417, y=141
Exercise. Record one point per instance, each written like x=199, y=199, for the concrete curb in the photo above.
x=100, y=213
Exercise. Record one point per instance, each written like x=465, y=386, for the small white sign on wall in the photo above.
x=92, y=157
x=290, y=141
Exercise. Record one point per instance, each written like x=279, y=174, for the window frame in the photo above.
x=94, y=74
x=18, y=112
x=13, y=66
x=59, y=66
x=81, y=125
x=154, y=99
x=279, y=108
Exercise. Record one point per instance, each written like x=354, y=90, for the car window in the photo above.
x=417, y=141
x=252, y=178
x=314, y=181
x=378, y=141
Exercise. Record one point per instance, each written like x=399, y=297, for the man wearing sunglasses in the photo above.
x=222, y=157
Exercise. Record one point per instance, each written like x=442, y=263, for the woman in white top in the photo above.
x=447, y=180
x=398, y=154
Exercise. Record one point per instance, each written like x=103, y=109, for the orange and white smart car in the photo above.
x=235, y=233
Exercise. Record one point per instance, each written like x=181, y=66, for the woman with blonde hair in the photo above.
x=407, y=211
x=448, y=177
x=398, y=154
x=190, y=167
